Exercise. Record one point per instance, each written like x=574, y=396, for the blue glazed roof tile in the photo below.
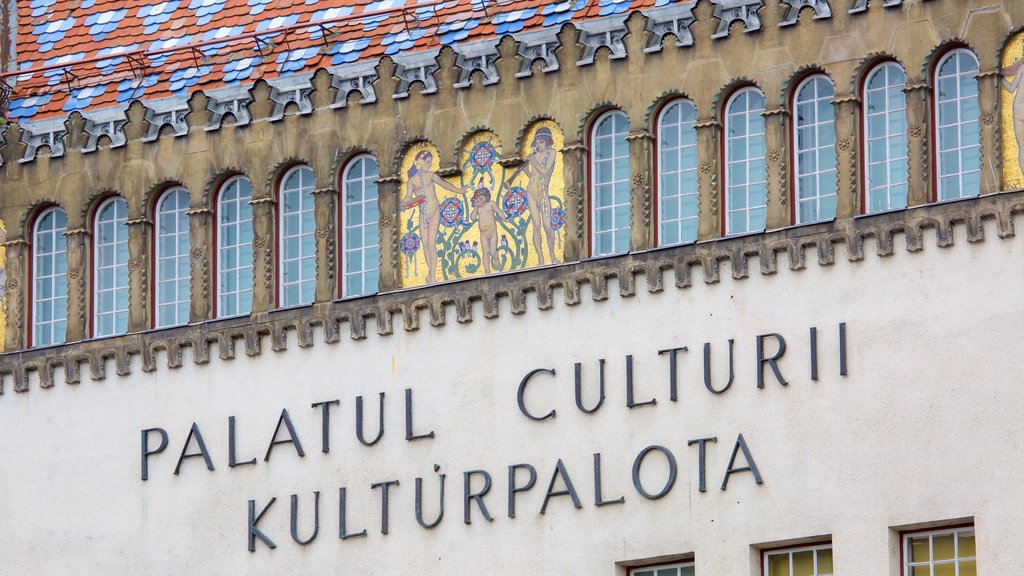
x=81, y=98
x=510, y=22
x=103, y=23
x=27, y=107
x=57, y=74
x=50, y=33
x=238, y=70
x=156, y=14
x=135, y=89
x=295, y=60
x=346, y=52
x=183, y=79
x=40, y=7
x=452, y=32
x=400, y=41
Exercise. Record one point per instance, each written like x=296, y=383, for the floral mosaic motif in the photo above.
x=1011, y=94
x=487, y=218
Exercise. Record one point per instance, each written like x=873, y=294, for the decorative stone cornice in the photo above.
x=287, y=90
x=862, y=5
x=821, y=10
x=729, y=11
x=166, y=112
x=661, y=268
x=355, y=77
x=675, y=20
x=780, y=111
x=49, y=133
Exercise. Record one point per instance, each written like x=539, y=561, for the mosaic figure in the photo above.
x=421, y=193
x=486, y=212
x=1012, y=121
x=538, y=168
x=1012, y=86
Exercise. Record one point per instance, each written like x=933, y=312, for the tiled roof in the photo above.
x=106, y=52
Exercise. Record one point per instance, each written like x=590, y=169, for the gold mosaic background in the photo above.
x=1012, y=66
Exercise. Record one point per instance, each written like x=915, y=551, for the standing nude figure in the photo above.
x=487, y=213
x=1014, y=87
x=421, y=191
x=539, y=167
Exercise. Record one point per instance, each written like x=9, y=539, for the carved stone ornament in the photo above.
x=988, y=118
x=233, y=101
x=12, y=284
x=916, y=132
x=482, y=56
x=862, y=5
x=166, y=112
x=729, y=11
x=639, y=179
x=415, y=67
x=674, y=19
x=821, y=10
x=354, y=77
x=322, y=231
x=135, y=263
x=774, y=156
x=845, y=145
x=572, y=190
x=286, y=90
x=107, y=122
x=386, y=222
x=73, y=272
x=260, y=242
x=537, y=45
x=607, y=33
x=48, y=132
x=197, y=254
x=706, y=167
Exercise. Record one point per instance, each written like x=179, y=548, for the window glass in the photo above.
x=610, y=212
x=885, y=120
x=361, y=239
x=110, y=269
x=940, y=552
x=296, y=233
x=234, y=248
x=685, y=569
x=677, y=174
x=173, y=280
x=50, y=284
x=959, y=137
x=746, y=188
x=814, y=123
x=802, y=561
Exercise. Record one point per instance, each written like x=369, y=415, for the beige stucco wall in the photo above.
x=926, y=426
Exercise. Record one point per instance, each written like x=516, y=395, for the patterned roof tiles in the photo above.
x=108, y=52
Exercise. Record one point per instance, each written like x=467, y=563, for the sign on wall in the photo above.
x=487, y=218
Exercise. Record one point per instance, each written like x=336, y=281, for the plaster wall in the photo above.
x=926, y=426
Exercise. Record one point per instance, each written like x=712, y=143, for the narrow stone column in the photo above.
x=138, y=274
x=390, y=277
x=264, y=295
x=78, y=284
x=991, y=147
x=16, y=294
x=577, y=245
x=709, y=219
x=641, y=165
x=324, y=200
x=848, y=176
x=919, y=118
x=200, y=237
x=777, y=155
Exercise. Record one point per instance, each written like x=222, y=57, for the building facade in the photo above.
x=715, y=287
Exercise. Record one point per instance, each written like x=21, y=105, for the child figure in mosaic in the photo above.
x=1014, y=87
x=487, y=213
x=421, y=192
x=538, y=168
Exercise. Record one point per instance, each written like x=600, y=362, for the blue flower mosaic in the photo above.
x=103, y=23
x=82, y=97
x=558, y=14
x=206, y=9
x=295, y=60
x=108, y=65
x=349, y=51
x=514, y=21
x=238, y=70
x=135, y=88
x=57, y=74
x=52, y=32
x=156, y=14
x=401, y=41
x=40, y=7
x=182, y=80
x=27, y=107
x=610, y=7
x=452, y=32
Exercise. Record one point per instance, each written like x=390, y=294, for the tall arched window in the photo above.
x=814, y=127
x=677, y=174
x=885, y=121
x=234, y=248
x=297, y=250
x=110, y=268
x=959, y=138
x=50, y=282
x=360, y=239
x=609, y=184
x=172, y=246
x=746, y=177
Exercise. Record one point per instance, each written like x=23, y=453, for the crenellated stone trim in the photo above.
x=674, y=20
x=605, y=33
x=48, y=132
x=416, y=67
x=729, y=11
x=166, y=112
x=821, y=8
x=799, y=246
x=537, y=45
x=357, y=77
x=477, y=56
x=109, y=123
x=862, y=5
x=231, y=101
x=287, y=90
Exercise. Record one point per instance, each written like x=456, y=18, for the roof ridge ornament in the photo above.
x=728, y=11
x=821, y=8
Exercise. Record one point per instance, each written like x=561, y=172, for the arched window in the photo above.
x=234, y=248
x=885, y=121
x=677, y=174
x=50, y=282
x=172, y=246
x=746, y=186
x=297, y=250
x=110, y=268
x=959, y=138
x=814, y=127
x=610, y=214
x=360, y=239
